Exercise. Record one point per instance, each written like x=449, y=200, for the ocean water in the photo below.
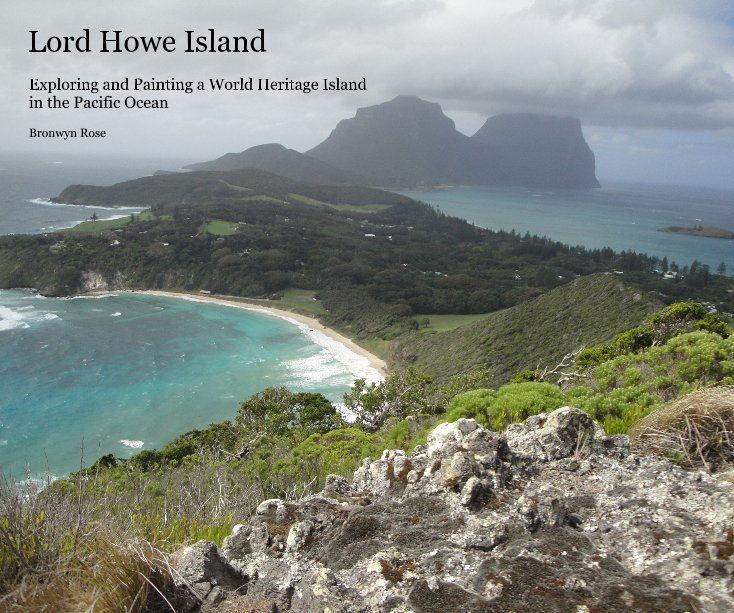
x=28, y=181
x=120, y=373
x=620, y=216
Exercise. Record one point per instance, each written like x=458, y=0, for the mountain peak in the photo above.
x=408, y=141
x=538, y=150
x=404, y=141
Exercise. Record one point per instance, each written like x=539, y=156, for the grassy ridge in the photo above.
x=585, y=312
x=172, y=190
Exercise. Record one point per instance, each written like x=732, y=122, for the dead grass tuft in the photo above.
x=695, y=430
x=107, y=574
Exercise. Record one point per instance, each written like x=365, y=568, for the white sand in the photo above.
x=360, y=362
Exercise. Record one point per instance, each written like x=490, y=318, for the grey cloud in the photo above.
x=618, y=63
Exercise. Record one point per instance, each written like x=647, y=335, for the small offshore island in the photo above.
x=707, y=232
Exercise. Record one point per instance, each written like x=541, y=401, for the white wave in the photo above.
x=22, y=317
x=48, y=202
x=10, y=319
x=33, y=484
x=3, y=442
x=358, y=365
x=93, y=297
x=348, y=415
x=317, y=368
x=132, y=444
x=116, y=314
x=63, y=226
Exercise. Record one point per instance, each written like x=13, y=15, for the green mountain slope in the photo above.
x=585, y=312
x=276, y=158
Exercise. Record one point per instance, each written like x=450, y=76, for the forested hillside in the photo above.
x=379, y=262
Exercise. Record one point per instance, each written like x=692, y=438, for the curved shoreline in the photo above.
x=312, y=327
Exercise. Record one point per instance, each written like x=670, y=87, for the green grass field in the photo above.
x=302, y=300
x=361, y=208
x=105, y=225
x=443, y=323
x=218, y=227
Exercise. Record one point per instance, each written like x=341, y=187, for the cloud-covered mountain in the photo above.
x=536, y=150
x=408, y=141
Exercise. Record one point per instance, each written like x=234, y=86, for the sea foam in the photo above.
x=48, y=202
x=10, y=319
x=22, y=317
x=317, y=368
x=132, y=444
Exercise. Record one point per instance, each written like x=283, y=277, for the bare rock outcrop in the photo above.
x=93, y=281
x=552, y=515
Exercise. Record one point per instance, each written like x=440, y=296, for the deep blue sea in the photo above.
x=117, y=374
x=619, y=215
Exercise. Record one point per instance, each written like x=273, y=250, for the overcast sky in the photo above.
x=651, y=80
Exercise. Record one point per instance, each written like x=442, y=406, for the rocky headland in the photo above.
x=550, y=515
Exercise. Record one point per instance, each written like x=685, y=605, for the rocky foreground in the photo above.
x=551, y=515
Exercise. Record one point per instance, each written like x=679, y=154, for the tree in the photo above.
x=404, y=393
x=277, y=411
x=721, y=269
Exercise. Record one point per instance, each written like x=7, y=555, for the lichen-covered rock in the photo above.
x=552, y=515
x=203, y=569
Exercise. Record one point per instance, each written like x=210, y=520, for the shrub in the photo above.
x=471, y=404
x=673, y=320
x=406, y=393
x=511, y=403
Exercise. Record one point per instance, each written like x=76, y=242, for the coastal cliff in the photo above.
x=551, y=515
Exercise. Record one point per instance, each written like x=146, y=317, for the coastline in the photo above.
x=322, y=335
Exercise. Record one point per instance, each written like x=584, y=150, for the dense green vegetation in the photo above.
x=284, y=444
x=700, y=231
x=618, y=392
x=395, y=274
x=378, y=262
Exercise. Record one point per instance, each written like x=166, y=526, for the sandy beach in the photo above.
x=367, y=364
